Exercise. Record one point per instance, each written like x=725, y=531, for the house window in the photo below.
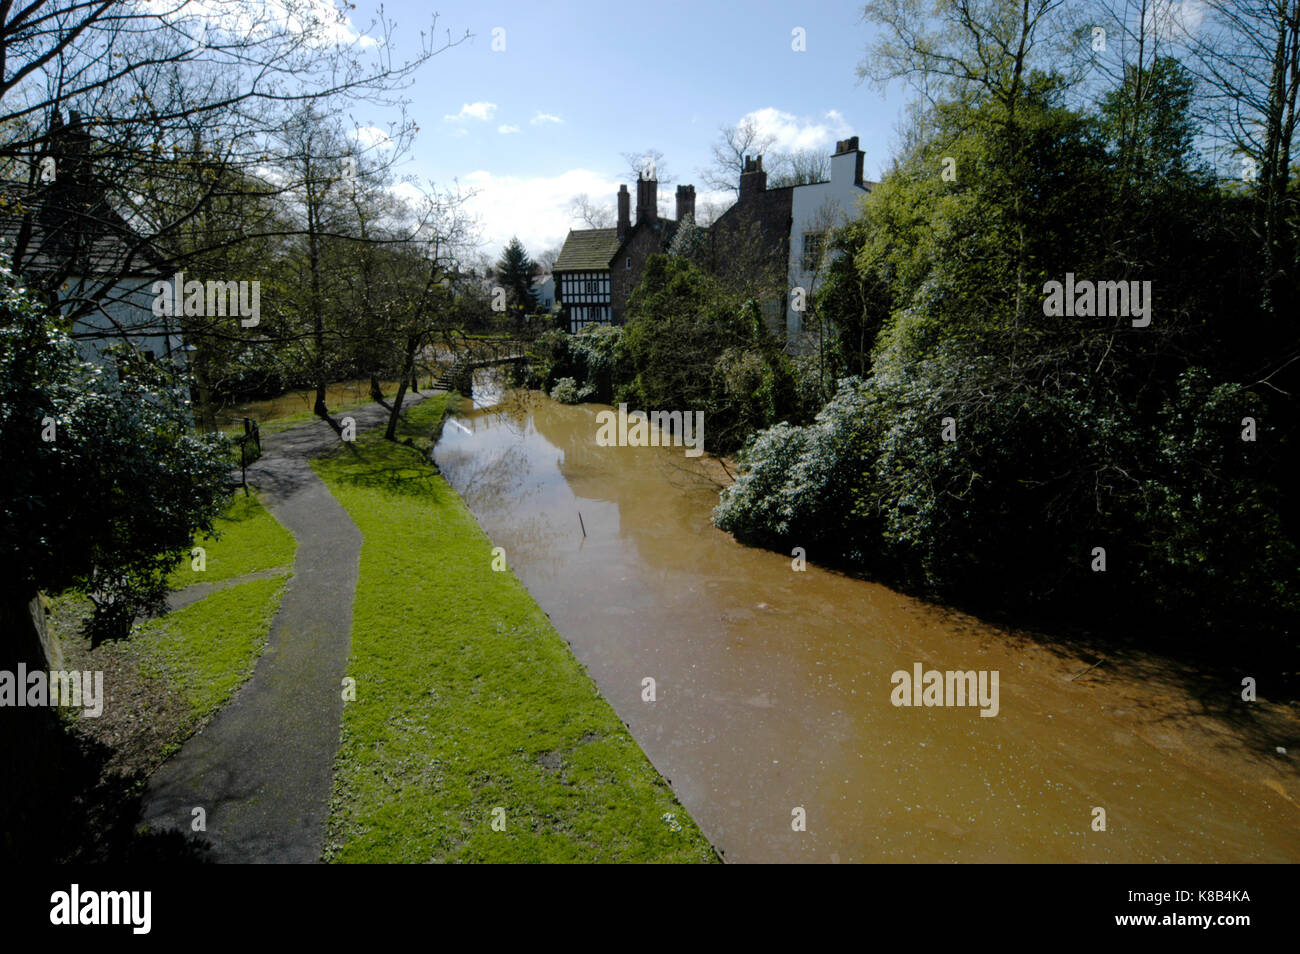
x=628, y=266
x=814, y=243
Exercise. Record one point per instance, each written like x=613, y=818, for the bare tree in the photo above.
x=169, y=105
x=707, y=211
x=734, y=143
x=1248, y=56
x=547, y=259
x=649, y=164
x=799, y=167
x=427, y=278
x=593, y=215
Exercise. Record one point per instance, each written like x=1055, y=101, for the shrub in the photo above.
x=804, y=485
x=118, y=494
x=566, y=391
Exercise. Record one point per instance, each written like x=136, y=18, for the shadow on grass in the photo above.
x=57, y=804
x=404, y=466
x=397, y=470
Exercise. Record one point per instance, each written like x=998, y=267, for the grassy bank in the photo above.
x=161, y=686
x=468, y=700
x=292, y=408
x=248, y=540
x=175, y=671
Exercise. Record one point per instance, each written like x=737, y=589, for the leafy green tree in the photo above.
x=852, y=304
x=993, y=447
x=105, y=483
x=692, y=344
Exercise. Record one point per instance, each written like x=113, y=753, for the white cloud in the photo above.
x=1175, y=20
x=534, y=208
x=790, y=132
x=507, y=129
x=545, y=118
x=480, y=110
x=318, y=22
x=371, y=137
x=407, y=191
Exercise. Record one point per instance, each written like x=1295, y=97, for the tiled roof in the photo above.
x=587, y=249
x=93, y=242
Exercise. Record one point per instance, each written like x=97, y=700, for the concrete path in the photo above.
x=262, y=768
x=179, y=599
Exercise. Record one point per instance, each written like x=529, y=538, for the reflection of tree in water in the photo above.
x=659, y=493
x=659, y=498
x=573, y=430
x=489, y=466
x=489, y=386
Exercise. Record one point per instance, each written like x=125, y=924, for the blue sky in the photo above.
x=579, y=83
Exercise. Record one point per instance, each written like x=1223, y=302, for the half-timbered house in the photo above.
x=598, y=268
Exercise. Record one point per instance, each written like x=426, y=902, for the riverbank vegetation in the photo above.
x=1101, y=468
x=468, y=700
x=689, y=342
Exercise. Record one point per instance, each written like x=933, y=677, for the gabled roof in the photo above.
x=587, y=249
x=93, y=242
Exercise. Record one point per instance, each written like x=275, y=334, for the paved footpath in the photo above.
x=262, y=768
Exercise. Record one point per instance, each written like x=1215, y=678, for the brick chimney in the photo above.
x=753, y=179
x=624, y=211
x=846, y=162
x=685, y=202
x=647, y=199
x=69, y=146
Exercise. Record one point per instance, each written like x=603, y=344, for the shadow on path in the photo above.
x=262, y=769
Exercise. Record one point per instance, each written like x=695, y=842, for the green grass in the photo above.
x=250, y=539
x=469, y=700
x=208, y=649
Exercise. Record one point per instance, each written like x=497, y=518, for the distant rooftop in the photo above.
x=587, y=249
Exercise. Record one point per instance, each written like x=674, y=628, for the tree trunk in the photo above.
x=205, y=414
x=390, y=433
x=408, y=372
x=377, y=393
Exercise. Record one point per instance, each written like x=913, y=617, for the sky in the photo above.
x=530, y=126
